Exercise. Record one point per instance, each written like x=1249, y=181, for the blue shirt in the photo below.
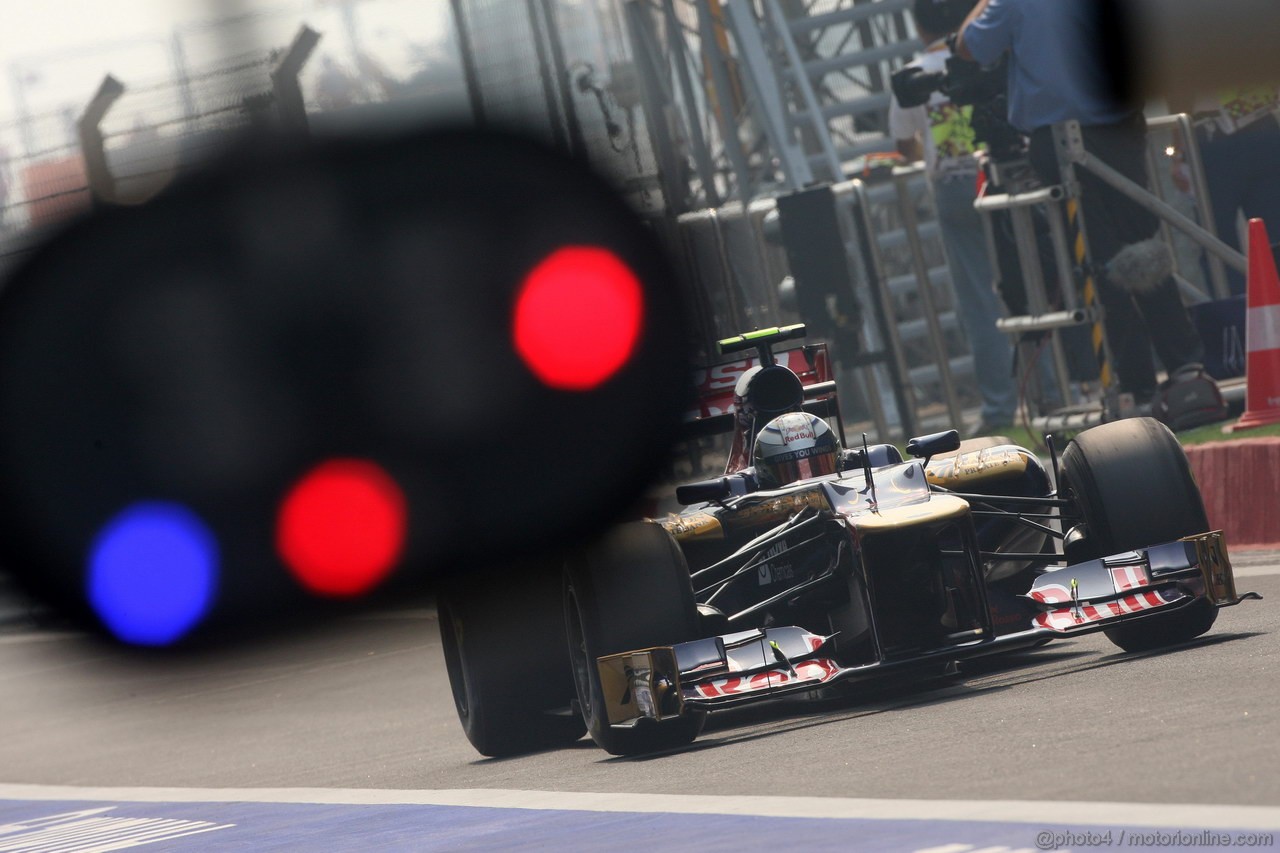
x=1053, y=75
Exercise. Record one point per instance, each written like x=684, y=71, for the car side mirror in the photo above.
x=926, y=446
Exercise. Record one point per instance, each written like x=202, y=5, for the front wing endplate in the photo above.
x=1098, y=593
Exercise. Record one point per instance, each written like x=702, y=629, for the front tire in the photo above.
x=1133, y=486
x=631, y=591
x=504, y=648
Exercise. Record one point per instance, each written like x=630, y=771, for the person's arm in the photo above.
x=905, y=126
x=987, y=32
x=962, y=49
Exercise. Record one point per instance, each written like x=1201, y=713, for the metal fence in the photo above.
x=186, y=95
x=562, y=70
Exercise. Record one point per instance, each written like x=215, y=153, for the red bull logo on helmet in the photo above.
x=793, y=433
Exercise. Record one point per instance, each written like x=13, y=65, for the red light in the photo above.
x=578, y=317
x=342, y=527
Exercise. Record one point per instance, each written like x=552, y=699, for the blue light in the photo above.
x=152, y=573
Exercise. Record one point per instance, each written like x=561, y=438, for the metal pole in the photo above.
x=179, y=58
x=577, y=143
x=1066, y=136
x=1008, y=201
x=724, y=101
x=1033, y=280
x=1066, y=289
x=701, y=156
x=1204, y=202
x=18, y=84
x=654, y=97
x=1184, y=137
x=284, y=80
x=102, y=184
x=911, y=226
x=1166, y=212
x=352, y=27
x=764, y=90
x=1024, y=238
x=547, y=76
x=1029, y=256
x=866, y=373
x=469, y=74
x=882, y=301
x=740, y=318
x=801, y=78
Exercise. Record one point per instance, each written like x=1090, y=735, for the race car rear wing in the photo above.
x=715, y=382
x=820, y=400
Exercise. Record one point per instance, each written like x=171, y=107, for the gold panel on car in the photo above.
x=976, y=467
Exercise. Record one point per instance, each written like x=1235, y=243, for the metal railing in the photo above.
x=1073, y=154
x=1185, y=139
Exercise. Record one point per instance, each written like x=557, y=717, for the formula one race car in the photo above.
x=809, y=563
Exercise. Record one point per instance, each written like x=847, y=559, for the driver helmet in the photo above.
x=795, y=446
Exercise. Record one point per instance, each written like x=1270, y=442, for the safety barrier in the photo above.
x=1240, y=481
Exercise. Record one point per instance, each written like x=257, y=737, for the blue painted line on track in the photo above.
x=289, y=826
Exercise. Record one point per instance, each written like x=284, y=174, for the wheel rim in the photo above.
x=578, y=654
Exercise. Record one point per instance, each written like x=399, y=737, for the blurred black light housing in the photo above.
x=351, y=300
x=1182, y=48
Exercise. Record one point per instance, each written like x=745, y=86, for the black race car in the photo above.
x=863, y=566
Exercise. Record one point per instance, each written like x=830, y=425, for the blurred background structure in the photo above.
x=706, y=114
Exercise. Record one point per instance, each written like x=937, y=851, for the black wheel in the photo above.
x=1133, y=486
x=504, y=648
x=630, y=591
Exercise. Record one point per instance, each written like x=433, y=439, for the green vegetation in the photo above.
x=1213, y=432
x=1032, y=440
x=1199, y=435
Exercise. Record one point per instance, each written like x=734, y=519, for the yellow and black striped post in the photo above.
x=1069, y=143
x=1089, y=290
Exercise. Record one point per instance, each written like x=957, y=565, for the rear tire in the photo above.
x=630, y=591
x=1133, y=486
x=504, y=648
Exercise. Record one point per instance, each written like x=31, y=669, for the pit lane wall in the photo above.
x=1240, y=482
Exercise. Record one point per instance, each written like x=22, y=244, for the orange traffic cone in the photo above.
x=1262, y=334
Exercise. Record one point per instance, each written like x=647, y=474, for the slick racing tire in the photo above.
x=504, y=648
x=629, y=591
x=1133, y=486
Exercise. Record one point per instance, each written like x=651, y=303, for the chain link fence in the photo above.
x=186, y=96
x=151, y=131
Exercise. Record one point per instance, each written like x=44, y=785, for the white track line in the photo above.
x=1160, y=815
x=1254, y=571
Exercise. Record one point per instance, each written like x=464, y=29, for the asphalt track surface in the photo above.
x=346, y=738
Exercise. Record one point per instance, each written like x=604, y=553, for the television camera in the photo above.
x=967, y=83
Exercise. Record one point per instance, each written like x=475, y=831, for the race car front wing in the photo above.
x=1136, y=584
x=665, y=682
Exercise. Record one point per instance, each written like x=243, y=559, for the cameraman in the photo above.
x=942, y=134
x=1054, y=78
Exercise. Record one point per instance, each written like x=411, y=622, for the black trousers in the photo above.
x=1134, y=322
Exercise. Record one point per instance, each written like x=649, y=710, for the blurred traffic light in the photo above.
x=578, y=316
x=152, y=573
x=342, y=528
x=322, y=372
